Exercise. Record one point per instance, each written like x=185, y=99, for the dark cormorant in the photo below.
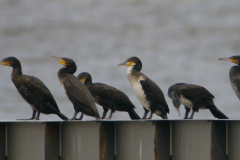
x=147, y=91
x=76, y=92
x=33, y=91
x=193, y=97
x=108, y=97
x=234, y=74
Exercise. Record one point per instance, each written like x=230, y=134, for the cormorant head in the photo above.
x=133, y=61
x=68, y=63
x=233, y=59
x=85, y=77
x=10, y=61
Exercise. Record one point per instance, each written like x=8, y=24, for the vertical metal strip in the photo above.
x=107, y=141
x=2, y=141
x=52, y=144
x=218, y=140
x=162, y=140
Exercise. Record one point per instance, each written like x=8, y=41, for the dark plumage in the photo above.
x=193, y=97
x=76, y=92
x=108, y=97
x=33, y=91
x=234, y=74
x=147, y=91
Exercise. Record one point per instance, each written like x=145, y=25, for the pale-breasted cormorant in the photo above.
x=234, y=74
x=76, y=92
x=193, y=97
x=33, y=91
x=147, y=91
x=108, y=97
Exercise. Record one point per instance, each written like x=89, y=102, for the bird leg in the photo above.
x=150, y=116
x=145, y=113
x=33, y=116
x=187, y=112
x=74, y=116
x=80, y=118
x=105, y=110
x=110, y=115
x=38, y=115
x=191, y=117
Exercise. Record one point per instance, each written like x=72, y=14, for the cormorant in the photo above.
x=76, y=92
x=147, y=91
x=33, y=91
x=193, y=97
x=108, y=97
x=234, y=74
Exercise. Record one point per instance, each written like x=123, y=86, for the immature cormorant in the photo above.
x=76, y=92
x=193, y=97
x=147, y=91
x=234, y=74
x=108, y=97
x=33, y=91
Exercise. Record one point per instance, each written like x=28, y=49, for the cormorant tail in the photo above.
x=164, y=116
x=62, y=116
x=217, y=113
x=133, y=114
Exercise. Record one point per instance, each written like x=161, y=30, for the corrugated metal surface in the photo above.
x=120, y=140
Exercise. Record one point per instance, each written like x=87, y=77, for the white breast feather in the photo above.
x=185, y=101
x=137, y=88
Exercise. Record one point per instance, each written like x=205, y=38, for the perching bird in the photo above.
x=76, y=92
x=147, y=91
x=33, y=91
x=193, y=97
x=234, y=74
x=108, y=97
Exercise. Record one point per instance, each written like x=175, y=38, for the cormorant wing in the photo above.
x=112, y=93
x=194, y=91
x=77, y=91
x=37, y=86
x=152, y=88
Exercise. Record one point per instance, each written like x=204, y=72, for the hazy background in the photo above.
x=177, y=41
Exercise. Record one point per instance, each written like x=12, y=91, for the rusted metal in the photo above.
x=128, y=140
x=52, y=144
x=2, y=141
x=162, y=140
x=107, y=141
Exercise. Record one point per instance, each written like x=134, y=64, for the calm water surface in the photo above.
x=177, y=41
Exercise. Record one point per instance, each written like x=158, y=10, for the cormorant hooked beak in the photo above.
x=126, y=63
x=5, y=63
x=175, y=101
x=230, y=59
x=60, y=60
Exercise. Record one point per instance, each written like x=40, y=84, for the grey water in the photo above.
x=176, y=40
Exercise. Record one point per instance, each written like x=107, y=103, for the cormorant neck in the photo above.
x=17, y=69
x=138, y=66
x=88, y=80
x=71, y=69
